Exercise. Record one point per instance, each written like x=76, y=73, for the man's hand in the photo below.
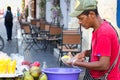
x=80, y=55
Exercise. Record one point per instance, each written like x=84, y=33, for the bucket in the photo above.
x=62, y=73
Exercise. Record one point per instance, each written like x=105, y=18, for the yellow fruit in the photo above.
x=65, y=58
x=27, y=76
x=43, y=77
x=35, y=71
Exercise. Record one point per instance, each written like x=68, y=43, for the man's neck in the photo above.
x=98, y=22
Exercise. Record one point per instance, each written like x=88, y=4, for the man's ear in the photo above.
x=91, y=13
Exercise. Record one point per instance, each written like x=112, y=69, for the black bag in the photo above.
x=8, y=17
x=87, y=75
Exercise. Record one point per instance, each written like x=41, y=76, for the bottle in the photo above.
x=12, y=67
x=44, y=65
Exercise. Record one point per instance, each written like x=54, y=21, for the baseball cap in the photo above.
x=82, y=5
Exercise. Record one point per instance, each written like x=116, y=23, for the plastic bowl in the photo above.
x=62, y=73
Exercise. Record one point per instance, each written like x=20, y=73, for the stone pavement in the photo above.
x=17, y=46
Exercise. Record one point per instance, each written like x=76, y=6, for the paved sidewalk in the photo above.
x=10, y=46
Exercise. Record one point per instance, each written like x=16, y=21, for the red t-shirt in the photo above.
x=105, y=43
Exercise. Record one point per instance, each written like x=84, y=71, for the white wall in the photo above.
x=107, y=10
x=48, y=12
x=66, y=18
x=29, y=7
x=37, y=9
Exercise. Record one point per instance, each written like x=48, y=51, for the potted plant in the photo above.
x=56, y=12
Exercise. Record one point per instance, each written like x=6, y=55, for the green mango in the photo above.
x=28, y=77
x=26, y=73
x=43, y=77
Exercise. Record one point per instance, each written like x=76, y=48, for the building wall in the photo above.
x=30, y=13
x=108, y=11
x=37, y=9
x=63, y=9
x=48, y=11
x=65, y=13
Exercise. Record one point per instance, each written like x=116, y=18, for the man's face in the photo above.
x=85, y=20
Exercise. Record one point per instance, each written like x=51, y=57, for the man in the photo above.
x=8, y=23
x=18, y=14
x=105, y=43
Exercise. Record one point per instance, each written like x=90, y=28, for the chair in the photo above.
x=70, y=31
x=34, y=21
x=71, y=41
x=22, y=24
x=42, y=25
x=49, y=33
x=43, y=36
x=44, y=29
x=27, y=36
x=54, y=34
x=30, y=37
x=41, y=29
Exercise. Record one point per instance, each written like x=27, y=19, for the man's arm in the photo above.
x=102, y=64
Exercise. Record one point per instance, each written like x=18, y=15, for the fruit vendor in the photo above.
x=105, y=44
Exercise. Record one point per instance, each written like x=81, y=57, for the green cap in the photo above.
x=82, y=5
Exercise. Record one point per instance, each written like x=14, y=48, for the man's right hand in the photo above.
x=80, y=55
